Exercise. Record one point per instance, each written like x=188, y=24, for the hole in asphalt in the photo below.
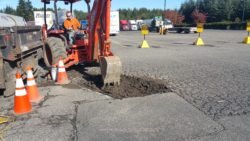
x=130, y=86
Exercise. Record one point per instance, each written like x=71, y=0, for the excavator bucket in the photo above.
x=111, y=69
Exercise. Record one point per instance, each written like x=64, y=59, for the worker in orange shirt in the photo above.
x=72, y=25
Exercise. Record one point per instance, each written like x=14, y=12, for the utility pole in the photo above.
x=163, y=14
x=243, y=11
x=198, y=5
x=164, y=5
x=164, y=10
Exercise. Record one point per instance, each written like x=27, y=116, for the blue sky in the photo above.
x=116, y=4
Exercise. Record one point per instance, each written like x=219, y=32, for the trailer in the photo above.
x=21, y=47
x=114, y=23
x=183, y=29
x=39, y=18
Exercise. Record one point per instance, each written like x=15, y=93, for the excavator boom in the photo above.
x=89, y=46
x=100, y=44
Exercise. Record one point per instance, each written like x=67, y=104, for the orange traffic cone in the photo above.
x=32, y=90
x=62, y=77
x=21, y=99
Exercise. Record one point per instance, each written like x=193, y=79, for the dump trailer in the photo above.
x=20, y=47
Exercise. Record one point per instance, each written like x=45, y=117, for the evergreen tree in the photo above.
x=80, y=15
x=21, y=9
x=25, y=10
x=187, y=9
x=9, y=10
x=29, y=11
x=215, y=10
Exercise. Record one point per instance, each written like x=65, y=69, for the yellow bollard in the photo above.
x=247, y=39
x=145, y=44
x=144, y=32
x=199, y=41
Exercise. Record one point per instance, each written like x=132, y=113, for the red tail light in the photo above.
x=7, y=40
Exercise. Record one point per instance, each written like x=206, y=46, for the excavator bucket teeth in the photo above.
x=111, y=69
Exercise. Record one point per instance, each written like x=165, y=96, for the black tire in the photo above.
x=157, y=29
x=179, y=31
x=54, y=50
x=10, y=70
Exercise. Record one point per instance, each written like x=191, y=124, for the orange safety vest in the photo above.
x=73, y=23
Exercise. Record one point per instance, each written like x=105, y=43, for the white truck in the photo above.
x=139, y=24
x=39, y=20
x=133, y=25
x=167, y=24
x=114, y=23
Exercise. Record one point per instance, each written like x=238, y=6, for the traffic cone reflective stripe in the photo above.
x=21, y=100
x=33, y=92
x=61, y=69
x=20, y=89
x=31, y=82
x=62, y=77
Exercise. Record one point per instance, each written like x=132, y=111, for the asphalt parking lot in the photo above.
x=214, y=78
x=209, y=98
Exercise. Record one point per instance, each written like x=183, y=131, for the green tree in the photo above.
x=21, y=9
x=187, y=9
x=25, y=10
x=80, y=15
x=142, y=13
x=29, y=11
x=9, y=10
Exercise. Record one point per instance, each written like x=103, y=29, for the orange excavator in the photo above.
x=90, y=46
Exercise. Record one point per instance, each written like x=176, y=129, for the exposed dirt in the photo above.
x=130, y=86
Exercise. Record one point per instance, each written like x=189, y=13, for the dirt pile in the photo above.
x=130, y=86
